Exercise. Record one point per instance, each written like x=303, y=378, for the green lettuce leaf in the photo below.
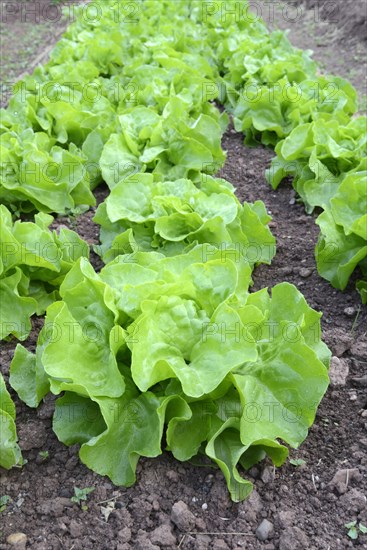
x=10, y=453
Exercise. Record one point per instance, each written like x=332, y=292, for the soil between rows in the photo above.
x=307, y=512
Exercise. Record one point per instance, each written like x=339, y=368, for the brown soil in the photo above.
x=307, y=512
x=349, y=15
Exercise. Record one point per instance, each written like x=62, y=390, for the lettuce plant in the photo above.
x=147, y=214
x=177, y=345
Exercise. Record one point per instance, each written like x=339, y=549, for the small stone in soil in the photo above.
x=18, y=540
x=182, y=517
x=265, y=530
x=338, y=372
x=288, y=270
x=305, y=272
x=349, y=311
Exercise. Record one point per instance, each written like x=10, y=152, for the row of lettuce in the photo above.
x=279, y=98
x=166, y=339
x=139, y=99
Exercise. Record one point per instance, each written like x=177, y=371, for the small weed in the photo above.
x=81, y=496
x=297, y=461
x=354, y=530
x=4, y=501
x=44, y=455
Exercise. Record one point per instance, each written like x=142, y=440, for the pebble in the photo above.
x=338, y=372
x=286, y=270
x=19, y=540
x=182, y=517
x=305, y=272
x=265, y=530
x=204, y=506
x=349, y=311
